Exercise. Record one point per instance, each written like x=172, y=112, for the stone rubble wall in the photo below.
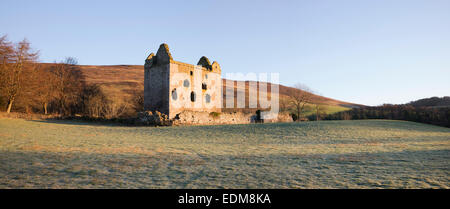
x=149, y=118
x=284, y=117
x=214, y=118
x=207, y=118
x=202, y=118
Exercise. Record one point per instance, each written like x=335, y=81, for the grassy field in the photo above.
x=326, y=154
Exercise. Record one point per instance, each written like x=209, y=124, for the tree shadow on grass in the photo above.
x=82, y=122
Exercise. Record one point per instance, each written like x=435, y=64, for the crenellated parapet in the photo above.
x=214, y=67
x=149, y=61
x=163, y=56
x=204, y=62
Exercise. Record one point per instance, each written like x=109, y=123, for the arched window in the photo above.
x=207, y=98
x=204, y=87
x=193, y=96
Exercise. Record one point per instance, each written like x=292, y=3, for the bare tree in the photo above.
x=94, y=101
x=299, y=98
x=6, y=51
x=137, y=100
x=68, y=85
x=47, y=91
x=6, y=54
x=97, y=105
x=319, y=110
x=115, y=108
x=40, y=88
x=15, y=58
x=284, y=104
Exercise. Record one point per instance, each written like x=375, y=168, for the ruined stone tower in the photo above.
x=171, y=86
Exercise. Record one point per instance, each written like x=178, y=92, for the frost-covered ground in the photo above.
x=325, y=154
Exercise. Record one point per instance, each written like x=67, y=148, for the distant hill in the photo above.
x=124, y=81
x=431, y=102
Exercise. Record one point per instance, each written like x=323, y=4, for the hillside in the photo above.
x=126, y=80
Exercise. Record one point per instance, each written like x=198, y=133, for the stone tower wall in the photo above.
x=183, y=84
x=171, y=87
x=156, y=88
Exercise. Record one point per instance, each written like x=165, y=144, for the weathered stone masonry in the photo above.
x=171, y=87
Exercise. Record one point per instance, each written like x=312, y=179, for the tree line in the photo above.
x=431, y=102
x=423, y=114
x=433, y=110
x=55, y=88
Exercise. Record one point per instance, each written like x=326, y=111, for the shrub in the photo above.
x=214, y=114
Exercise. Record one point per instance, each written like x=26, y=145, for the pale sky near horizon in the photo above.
x=362, y=51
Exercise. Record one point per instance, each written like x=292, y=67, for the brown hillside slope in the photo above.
x=125, y=80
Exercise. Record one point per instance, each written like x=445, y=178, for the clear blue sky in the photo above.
x=363, y=51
